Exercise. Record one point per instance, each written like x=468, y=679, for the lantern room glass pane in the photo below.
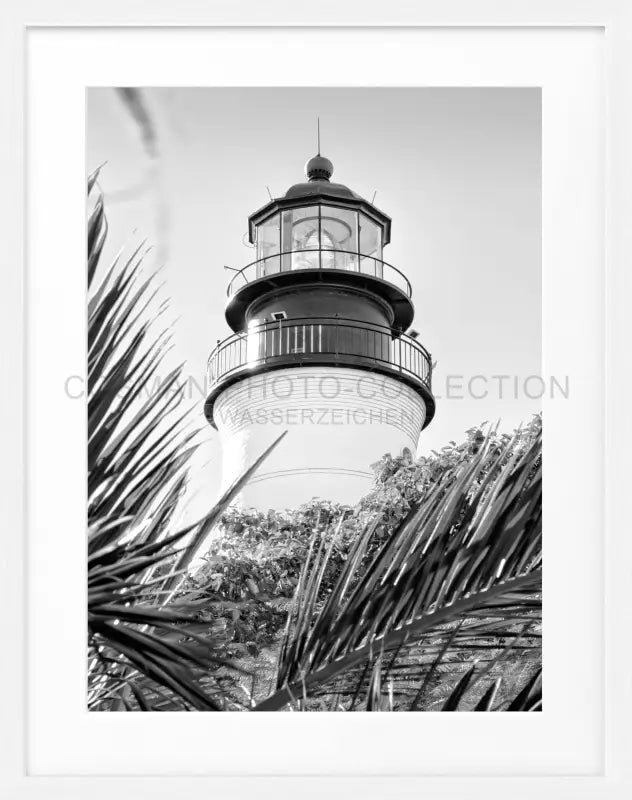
x=370, y=237
x=268, y=246
x=370, y=247
x=339, y=238
x=339, y=229
x=299, y=233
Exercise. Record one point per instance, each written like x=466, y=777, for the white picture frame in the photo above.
x=30, y=435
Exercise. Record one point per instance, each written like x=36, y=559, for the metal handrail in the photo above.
x=279, y=341
x=384, y=266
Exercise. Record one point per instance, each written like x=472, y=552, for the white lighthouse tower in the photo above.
x=319, y=349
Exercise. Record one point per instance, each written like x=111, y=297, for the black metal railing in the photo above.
x=319, y=258
x=320, y=340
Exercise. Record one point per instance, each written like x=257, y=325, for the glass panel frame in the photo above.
x=340, y=237
x=268, y=245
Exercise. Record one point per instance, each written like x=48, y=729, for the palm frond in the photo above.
x=141, y=654
x=462, y=570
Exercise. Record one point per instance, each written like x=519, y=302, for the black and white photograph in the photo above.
x=314, y=397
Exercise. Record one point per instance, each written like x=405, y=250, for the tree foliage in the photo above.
x=461, y=572
x=258, y=561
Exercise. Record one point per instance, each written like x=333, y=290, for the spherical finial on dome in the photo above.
x=319, y=168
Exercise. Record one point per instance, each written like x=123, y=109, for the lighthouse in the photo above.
x=319, y=349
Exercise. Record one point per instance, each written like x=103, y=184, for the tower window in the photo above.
x=277, y=316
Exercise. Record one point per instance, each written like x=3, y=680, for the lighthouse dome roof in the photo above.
x=318, y=171
x=321, y=187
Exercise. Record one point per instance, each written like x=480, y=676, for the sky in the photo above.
x=457, y=170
